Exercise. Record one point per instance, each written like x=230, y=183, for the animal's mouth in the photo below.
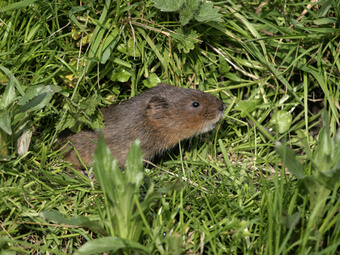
x=213, y=123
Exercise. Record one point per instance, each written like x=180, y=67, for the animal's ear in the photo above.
x=157, y=107
x=157, y=102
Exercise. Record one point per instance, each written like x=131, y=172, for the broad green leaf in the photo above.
x=121, y=74
x=5, y=122
x=324, y=21
x=120, y=188
x=76, y=221
x=245, y=107
x=37, y=97
x=112, y=244
x=12, y=80
x=80, y=113
x=34, y=91
x=282, y=120
x=9, y=95
x=290, y=161
x=207, y=12
x=134, y=165
x=168, y=6
x=106, y=170
x=24, y=142
x=152, y=80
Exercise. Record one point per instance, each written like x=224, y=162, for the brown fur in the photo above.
x=159, y=117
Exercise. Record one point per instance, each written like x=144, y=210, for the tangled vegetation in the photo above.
x=266, y=181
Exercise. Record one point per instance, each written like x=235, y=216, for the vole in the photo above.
x=160, y=117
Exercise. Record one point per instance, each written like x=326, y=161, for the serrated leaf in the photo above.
x=78, y=114
x=93, y=121
x=68, y=122
x=168, y=6
x=186, y=40
x=207, y=12
x=89, y=105
x=192, y=4
x=185, y=15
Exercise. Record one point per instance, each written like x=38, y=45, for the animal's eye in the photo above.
x=195, y=104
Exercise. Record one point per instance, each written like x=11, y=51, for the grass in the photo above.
x=275, y=64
